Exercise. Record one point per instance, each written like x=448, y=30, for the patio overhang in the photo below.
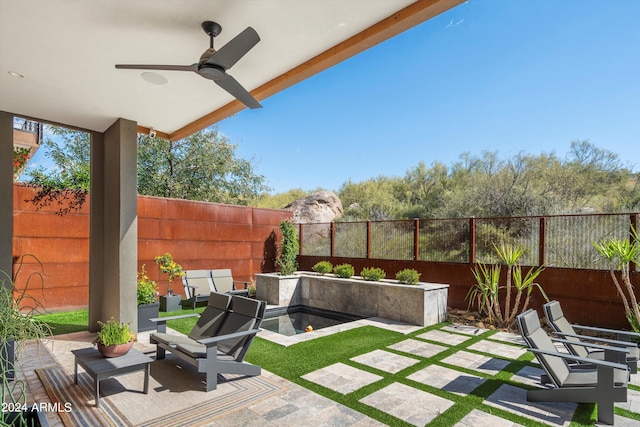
x=66, y=52
x=58, y=66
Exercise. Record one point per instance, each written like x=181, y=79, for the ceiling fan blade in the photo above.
x=232, y=86
x=193, y=67
x=231, y=52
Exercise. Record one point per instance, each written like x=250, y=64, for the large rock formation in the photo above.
x=324, y=206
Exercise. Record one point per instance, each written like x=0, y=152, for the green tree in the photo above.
x=372, y=199
x=201, y=167
x=280, y=200
x=68, y=183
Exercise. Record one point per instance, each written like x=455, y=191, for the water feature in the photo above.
x=295, y=320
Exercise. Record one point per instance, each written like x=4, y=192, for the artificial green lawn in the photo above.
x=297, y=360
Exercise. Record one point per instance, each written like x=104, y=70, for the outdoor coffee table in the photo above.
x=100, y=367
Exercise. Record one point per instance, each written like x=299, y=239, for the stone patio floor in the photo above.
x=454, y=375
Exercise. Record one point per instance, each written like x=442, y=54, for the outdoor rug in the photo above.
x=176, y=396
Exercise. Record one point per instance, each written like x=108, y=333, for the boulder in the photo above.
x=323, y=206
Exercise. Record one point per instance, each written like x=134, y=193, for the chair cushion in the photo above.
x=170, y=339
x=222, y=280
x=212, y=317
x=537, y=338
x=589, y=377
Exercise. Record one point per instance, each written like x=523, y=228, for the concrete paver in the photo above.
x=440, y=336
x=419, y=348
x=414, y=406
x=447, y=379
x=341, y=378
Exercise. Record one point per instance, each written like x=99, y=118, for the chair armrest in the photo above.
x=579, y=359
x=243, y=283
x=620, y=334
x=591, y=345
x=209, y=342
x=161, y=322
x=190, y=290
x=612, y=342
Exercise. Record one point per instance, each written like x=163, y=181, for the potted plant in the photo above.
x=148, y=307
x=114, y=338
x=170, y=267
x=17, y=325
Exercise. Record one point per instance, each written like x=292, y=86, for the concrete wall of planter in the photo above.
x=422, y=304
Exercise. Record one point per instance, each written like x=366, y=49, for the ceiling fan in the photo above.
x=213, y=64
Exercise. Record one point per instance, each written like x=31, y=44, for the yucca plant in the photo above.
x=485, y=293
x=621, y=254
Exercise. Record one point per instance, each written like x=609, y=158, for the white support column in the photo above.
x=114, y=225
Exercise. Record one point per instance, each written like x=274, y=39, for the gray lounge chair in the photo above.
x=562, y=327
x=197, y=286
x=223, y=282
x=219, y=341
x=603, y=384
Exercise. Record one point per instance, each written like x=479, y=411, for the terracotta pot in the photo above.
x=115, y=350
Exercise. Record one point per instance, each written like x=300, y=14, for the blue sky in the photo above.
x=505, y=75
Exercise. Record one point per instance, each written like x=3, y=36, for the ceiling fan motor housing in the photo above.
x=211, y=72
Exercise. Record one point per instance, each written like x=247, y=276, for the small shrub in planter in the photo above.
x=344, y=270
x=373, y=274
x=408, y=276
x=147, y=288
x=322, y=268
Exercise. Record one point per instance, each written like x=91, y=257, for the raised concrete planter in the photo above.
x=423, y=304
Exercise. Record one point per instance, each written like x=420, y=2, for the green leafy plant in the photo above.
x=621, y=253
x=147, y=288
x=485, y=293
x=344, y=270
x=170, y=267
x=287, y=260
x=408, y=276
x=373, y=274
x=322, y=267
x=18, y=323
x=20, y=158
x=114, y=333
x=251, y=289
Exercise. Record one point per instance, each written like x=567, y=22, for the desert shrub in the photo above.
x=323, y=267
x=373, y=274
x=344, y=270
x=408, y=276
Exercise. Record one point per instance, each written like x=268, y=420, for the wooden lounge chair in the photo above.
x=562, y=327
x=197, y=286
x=223, y=282
x=219, y=341
x=603, y=384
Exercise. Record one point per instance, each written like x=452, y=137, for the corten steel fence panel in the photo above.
x=350, y=239
x=392, y=239
x=569, y=239
x=444, y=240
x=515, y=231
x=315, y=239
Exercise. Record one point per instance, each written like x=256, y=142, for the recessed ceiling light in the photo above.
x=154, y=78
x=14, y=74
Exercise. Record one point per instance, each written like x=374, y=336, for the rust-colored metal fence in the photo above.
x=563, y=241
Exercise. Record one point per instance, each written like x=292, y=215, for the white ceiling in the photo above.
x=66, y=50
